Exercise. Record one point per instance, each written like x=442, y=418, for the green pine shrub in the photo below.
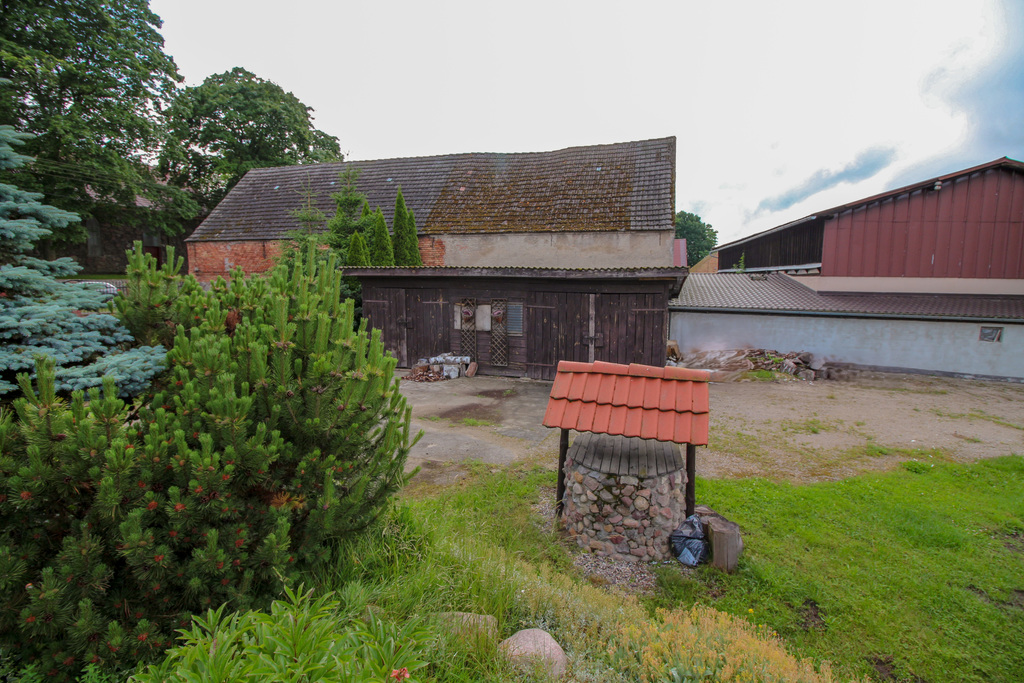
x=278, y=430
x=301, y=639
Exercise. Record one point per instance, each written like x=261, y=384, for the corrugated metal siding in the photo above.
x=973, y=227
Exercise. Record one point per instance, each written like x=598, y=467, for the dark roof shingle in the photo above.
x=780, y=292
x=623, y=186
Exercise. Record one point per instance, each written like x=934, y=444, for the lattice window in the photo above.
x=468, y=336
x=499, y=332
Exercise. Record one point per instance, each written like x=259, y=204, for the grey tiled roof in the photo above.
x=623, y=186
x=779, y=292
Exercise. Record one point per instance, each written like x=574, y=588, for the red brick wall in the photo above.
x=206, y=260
x=431, y=251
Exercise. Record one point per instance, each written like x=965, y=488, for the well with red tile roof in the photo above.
x=666, y=404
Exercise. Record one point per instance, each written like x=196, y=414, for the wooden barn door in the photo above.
x=630, y=328
x=429, y=323
x=555, y=329
x=384, y=308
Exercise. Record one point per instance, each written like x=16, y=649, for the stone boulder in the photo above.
x=533, y=649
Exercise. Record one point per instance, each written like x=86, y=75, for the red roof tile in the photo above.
x=667, y=404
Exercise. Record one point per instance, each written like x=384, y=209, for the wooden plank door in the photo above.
x=630, y=328
x=384, y=309
x=429, y=321
x=555, y=328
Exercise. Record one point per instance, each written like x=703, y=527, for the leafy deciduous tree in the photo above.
x=700, y=237
x=234, y=122
x=87, y=78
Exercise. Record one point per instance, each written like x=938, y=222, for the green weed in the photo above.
x=473, y=422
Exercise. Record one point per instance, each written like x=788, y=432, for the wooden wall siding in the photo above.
x=795, y=246
x=620, y=322
x=516, y=350
x=973, y=227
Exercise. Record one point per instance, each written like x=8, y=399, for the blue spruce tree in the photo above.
x=40, y=315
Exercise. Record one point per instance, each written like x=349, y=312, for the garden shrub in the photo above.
x=277, y=430
x=301, y=639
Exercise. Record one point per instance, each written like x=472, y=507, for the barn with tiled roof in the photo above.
x=595, y=206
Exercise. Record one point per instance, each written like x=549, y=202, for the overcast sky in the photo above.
x=780, y=109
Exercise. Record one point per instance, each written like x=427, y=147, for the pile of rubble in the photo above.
x=732, y=364
x=438, y=368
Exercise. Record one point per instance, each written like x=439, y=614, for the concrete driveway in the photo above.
x=493, y=420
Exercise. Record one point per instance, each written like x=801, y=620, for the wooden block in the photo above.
x=724, y=539
x=471, y=370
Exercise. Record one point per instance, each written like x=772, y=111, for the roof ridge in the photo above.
x=346, y=162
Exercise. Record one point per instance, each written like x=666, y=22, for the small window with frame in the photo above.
x=514, y=319
x=991, y=334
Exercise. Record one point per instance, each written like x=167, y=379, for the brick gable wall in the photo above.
x=209, y=259
x=432, y=250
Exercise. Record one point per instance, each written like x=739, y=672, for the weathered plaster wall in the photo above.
x=951, y=347
x=206, y=260
x=558, y=249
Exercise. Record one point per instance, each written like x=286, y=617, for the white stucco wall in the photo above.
x=561, y=249
x=909, y=344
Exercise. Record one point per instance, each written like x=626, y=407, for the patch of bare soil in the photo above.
x=811, y=616
x=826, y=430
x=472, y=411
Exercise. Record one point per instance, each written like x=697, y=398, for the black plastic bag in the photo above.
x=688, y=544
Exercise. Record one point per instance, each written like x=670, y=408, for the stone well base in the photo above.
x=626, y=517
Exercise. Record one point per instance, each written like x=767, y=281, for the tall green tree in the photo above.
x=42, y=316
x=87, y=78
x=351, y=216
x=700, y=237
x=379, y=242
x=406, y=244
x=358, y=255
x=234, y=122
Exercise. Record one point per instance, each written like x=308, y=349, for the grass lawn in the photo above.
x=913, y=573
x=916, y=574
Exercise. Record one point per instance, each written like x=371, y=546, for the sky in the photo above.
x=780, y=109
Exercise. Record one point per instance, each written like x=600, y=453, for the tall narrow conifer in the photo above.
x=407, y=248
x=358, y=255
x=379, y=241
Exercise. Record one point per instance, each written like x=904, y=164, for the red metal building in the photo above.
x=968, y=224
